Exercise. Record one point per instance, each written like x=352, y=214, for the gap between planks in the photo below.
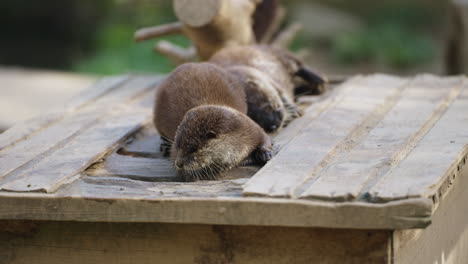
x=388, y=143
x=137, y=91
x=297, y=161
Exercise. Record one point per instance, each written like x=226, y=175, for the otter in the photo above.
x=200, y=113
x=272, y=77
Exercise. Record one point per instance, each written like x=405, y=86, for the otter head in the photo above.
x=210, y=140
x=264, y=102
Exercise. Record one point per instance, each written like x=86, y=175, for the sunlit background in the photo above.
x=90, y=38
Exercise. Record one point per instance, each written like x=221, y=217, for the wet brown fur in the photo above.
x=271, y=96
x=202, y=110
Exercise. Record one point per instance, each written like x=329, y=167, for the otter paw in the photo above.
x=262, y=155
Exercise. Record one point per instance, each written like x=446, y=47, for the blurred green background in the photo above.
x=89, y=36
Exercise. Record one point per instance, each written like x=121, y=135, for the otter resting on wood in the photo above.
x=270, y=77
x=200, y=112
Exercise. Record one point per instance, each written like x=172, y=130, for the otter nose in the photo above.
x=179, y=163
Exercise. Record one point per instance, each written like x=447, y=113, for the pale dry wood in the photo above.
x=177, y=55
x=336, y=128
x=424, y=171
x=26, y=93
x=313, y=107
x=158, y=31
x=52, y=137
x=446, y=239
x=214, y=24
x=80, y=151
x=26, y=155
x=21, y=131
x=114, y=186
x=145, y=243
x=423, y=101
x=98, y=204
x=198, y=13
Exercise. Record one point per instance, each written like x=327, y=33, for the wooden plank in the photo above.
x=433, y=160
x=336, y=128
x=100, y=205
x=143, y=168
x=141, y=159
x=72, y=124
x=313, y=107
x=422, y=103
x=80, y=151
x=145, y=143
x=21, y=131
x=135, y=168
x=147, y=243
x=446, y=239
x=113, y=186
x=25, y=92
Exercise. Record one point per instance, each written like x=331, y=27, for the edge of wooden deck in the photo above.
x=411, y=213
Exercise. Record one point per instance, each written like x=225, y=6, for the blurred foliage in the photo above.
x=48, y=33
x=116, y=52
x=394, y=36
x=97, y=36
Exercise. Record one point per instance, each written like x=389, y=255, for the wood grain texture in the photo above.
x=446, y=239
x=128, y=243
x=21, y=131
x=435, y=158
x=423, y=101
x=59, y=152
x=335, y=129
x=101, y=162
x=100, y=203
x=135, y=168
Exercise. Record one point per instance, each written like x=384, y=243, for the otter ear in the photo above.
x=210, y=135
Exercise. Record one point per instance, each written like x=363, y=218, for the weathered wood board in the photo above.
x=378, y=152
x=149, y=243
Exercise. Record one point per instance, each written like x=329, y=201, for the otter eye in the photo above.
x=210, y=135
x=191, y=149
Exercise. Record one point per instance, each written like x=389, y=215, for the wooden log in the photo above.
x=214, y=24
x=176, y=54
x=158, y=31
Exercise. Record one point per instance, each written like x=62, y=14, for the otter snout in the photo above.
x=181, y=162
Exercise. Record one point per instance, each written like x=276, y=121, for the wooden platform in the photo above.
x=375, y=153
x=26, y=93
